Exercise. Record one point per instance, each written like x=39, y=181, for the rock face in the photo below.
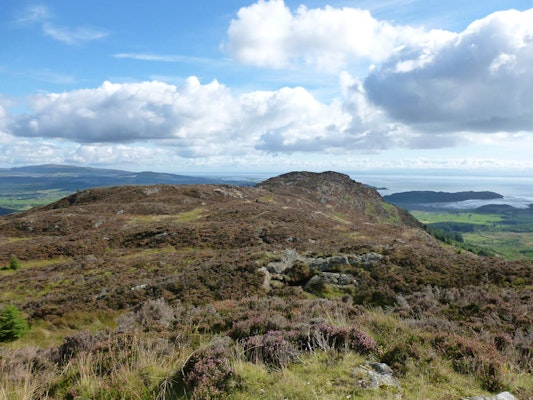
x=372, y=375
x=331, y=278
x=321, y=264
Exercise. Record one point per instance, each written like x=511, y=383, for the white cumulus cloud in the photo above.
x=269, y=34
x=480, y=80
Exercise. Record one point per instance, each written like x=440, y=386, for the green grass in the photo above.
x=508, y=235
x=45, y=263
x=27, y=200
x=510, y=245
x=429, y=217
x=5, y=270
x=327, y=375
x=184, y=217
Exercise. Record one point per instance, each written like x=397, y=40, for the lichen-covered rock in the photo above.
x=289, y=258
x=373, y=375
x=323, y=264
x=331, y=278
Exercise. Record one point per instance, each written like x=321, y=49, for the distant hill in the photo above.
x=72, y=178
x=25, y=187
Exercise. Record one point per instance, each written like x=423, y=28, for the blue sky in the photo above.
x=268, y=86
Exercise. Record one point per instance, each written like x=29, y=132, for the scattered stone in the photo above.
x=370, y=259
x=150, y=190
x=267, y=279
x=501, y=396
x=230, y=191
x=139, y=287
x=103, y=293
x=373, y=375
x=324, y=264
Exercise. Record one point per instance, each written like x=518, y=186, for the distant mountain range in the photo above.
x=68, y=177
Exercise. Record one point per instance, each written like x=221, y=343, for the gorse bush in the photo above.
x=12, y=324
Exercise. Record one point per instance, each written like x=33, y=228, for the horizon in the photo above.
x=399, y=172
x=269, y=86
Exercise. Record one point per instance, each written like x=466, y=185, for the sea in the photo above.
x=517, y=191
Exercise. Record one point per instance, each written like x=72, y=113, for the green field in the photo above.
x=508, y=235
x=429, y=217
x=20, y=201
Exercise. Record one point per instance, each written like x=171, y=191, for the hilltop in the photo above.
x=294, y=252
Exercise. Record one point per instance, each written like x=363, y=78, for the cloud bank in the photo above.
x=424, y=89
x=432, y=81
x=198, y=119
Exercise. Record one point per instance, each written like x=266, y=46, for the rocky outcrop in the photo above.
x=340, y=193
x=313, y=272
x=287, y=261
x=323, y=264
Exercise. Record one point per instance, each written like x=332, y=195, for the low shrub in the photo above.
x=14, y=263
x=469, y=356
x=257, y=324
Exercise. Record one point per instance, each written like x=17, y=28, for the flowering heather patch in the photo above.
x=257, y=324
x=272, y=349
x=207, y=373
x=326, y=336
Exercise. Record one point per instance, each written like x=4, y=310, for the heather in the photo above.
x=292, y=289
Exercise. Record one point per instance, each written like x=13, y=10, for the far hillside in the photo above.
x=26, y=187
x=488, y=230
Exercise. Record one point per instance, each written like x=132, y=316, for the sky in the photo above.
x=268, y=86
